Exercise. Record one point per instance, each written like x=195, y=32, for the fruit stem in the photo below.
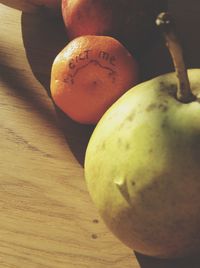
x=165, y=22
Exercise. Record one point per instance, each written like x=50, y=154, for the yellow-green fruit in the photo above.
x=142, y=168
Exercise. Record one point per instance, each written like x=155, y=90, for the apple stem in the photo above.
x=165, y=22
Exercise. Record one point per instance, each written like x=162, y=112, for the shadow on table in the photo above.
x=150, y=262
x=44, y=36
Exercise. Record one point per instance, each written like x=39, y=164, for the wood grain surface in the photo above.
x=47, y=219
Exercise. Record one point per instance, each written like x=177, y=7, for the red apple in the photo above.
x=132, y=21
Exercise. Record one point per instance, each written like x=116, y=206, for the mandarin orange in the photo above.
x=89, y=75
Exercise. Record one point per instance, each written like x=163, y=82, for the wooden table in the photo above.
x=47, y=219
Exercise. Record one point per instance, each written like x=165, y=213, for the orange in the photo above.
x=89, y=75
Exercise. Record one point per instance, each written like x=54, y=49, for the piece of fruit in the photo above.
x=130, y=21
x=89, y=74
x=142, y=162
x=33, y=5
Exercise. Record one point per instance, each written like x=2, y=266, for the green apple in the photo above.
x=142, y=167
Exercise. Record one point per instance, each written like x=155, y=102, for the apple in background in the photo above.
x=130, y=21
x=33, y=5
